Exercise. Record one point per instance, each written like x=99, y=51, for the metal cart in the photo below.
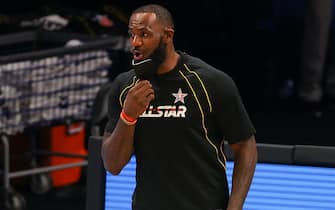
x=46, y=86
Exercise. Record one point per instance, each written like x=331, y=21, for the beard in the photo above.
x=159, y=54
x=148, y=68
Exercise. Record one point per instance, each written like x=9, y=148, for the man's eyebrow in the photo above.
x=136, y=27
x=141, y=28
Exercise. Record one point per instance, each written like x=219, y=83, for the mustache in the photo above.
x=135, y=50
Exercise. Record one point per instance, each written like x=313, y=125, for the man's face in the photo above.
x=146, y=37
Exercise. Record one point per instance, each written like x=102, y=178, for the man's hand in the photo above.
x=138, y=98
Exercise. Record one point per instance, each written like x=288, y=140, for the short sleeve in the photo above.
x=114, y=107
x=230, y=113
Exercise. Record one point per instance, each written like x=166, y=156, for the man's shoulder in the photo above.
x=125, y=78
x=203, y=68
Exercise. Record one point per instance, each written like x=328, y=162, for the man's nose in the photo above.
x=136, y=41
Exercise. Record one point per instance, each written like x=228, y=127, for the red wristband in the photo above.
x=127, y=119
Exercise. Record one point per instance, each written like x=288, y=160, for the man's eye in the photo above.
x=144, y=34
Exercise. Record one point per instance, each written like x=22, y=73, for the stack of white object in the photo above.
x=50, y=89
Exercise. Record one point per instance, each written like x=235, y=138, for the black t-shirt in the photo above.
x=179, y=138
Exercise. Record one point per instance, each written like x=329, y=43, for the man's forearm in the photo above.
x=117, y=147
x=244, y=166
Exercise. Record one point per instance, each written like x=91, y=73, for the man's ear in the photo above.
x=168, y=35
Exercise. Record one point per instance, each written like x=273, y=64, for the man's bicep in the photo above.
x=245, y=144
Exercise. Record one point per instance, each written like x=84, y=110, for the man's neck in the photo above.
x=169, y=63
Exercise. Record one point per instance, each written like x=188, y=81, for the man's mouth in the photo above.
x=137, y=55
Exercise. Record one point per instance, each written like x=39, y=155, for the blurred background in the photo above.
x=57, y=56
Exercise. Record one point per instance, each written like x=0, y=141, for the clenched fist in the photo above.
x=138, y=98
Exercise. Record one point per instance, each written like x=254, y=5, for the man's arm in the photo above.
x=117, y=146
x=245, y=159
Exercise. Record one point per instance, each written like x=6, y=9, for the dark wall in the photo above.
x=255, y=42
